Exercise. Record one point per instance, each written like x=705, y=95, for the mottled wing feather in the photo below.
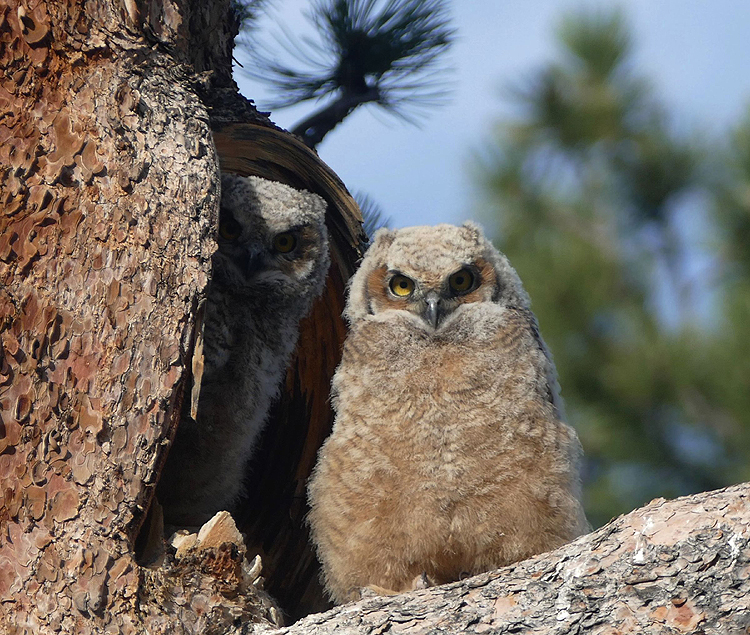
x=553, y=386
x=273, y=512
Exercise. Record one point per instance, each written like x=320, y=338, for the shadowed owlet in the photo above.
x=270, y=265
x=449, y=455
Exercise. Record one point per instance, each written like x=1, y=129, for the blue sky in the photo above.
x=695, y=52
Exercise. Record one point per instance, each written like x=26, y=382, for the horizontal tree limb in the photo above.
x=680, y=566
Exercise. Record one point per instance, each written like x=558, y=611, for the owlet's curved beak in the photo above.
x=431, y=312
x=253, y=261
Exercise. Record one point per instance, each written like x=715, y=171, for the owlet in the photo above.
x=270, y=265
x=449, y=454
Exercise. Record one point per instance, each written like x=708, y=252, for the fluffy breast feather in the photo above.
x=443, y=406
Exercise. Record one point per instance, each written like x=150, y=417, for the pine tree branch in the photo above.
x=312, y=129
x=680, y=566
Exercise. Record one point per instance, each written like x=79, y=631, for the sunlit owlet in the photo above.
x=449, y=454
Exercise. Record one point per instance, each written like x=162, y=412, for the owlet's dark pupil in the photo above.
x=403, y=284
x=460, y=281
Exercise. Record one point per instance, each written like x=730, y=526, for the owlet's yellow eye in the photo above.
x=461, y=281
x=402, y=286
x=284, y=242
x=229, y=229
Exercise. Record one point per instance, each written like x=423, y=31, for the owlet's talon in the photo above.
x=421, y=582
x=374, y=590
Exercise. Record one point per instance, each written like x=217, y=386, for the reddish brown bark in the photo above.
x=109, y=191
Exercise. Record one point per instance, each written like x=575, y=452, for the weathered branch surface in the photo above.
x=679, y=566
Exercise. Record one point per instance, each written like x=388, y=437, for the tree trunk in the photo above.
x=109, y=183
x=678, y=566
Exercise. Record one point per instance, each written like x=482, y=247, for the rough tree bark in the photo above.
x=109, y=187
x=109, y=191
x=111, y=114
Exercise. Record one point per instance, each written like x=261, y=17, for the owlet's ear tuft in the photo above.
x=383, y=238
x=475, y=229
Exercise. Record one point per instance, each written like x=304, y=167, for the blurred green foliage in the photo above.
x=633, y=240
